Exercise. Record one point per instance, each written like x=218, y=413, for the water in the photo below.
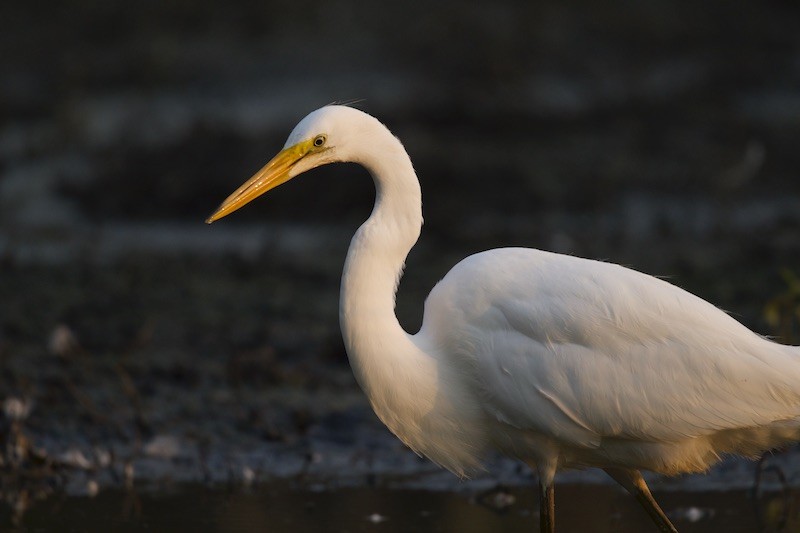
x=280, y=508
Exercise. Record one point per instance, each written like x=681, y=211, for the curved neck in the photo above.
x=376, y=257
x=400, y=373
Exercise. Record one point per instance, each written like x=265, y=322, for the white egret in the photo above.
x=555, y=360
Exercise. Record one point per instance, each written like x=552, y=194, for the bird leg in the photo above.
x=547, y=508
x=547, y=494
x=634, y=483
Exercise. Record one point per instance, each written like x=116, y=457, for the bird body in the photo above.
x=553, y=359
x=607, y=364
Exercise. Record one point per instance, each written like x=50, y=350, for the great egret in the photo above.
x=555, y=360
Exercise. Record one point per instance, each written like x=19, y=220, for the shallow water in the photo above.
x=279, y=508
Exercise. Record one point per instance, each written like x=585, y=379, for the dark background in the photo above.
x=662, y=135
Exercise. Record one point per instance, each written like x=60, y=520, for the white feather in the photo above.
x=554, y=359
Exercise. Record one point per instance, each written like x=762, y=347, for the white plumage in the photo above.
x=556, y=360
x=615, y=366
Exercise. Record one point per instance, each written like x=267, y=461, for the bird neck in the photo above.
x=401, y=374
x=375, y=262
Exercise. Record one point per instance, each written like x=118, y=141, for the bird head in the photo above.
x=320, y=138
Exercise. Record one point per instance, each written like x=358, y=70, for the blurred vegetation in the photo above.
x=782, y=311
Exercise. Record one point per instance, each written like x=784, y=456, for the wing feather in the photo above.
x=584, y=350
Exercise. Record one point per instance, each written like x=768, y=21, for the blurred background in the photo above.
x=137, y=343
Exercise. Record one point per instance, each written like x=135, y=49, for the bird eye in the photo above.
x=319, y=140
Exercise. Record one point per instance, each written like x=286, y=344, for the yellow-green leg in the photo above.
x=634, y=483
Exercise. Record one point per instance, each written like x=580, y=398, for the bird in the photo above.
x=557, y=361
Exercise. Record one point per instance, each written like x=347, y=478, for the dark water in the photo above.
x=282, y=509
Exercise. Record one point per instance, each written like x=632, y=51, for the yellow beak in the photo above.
x=273, y=174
